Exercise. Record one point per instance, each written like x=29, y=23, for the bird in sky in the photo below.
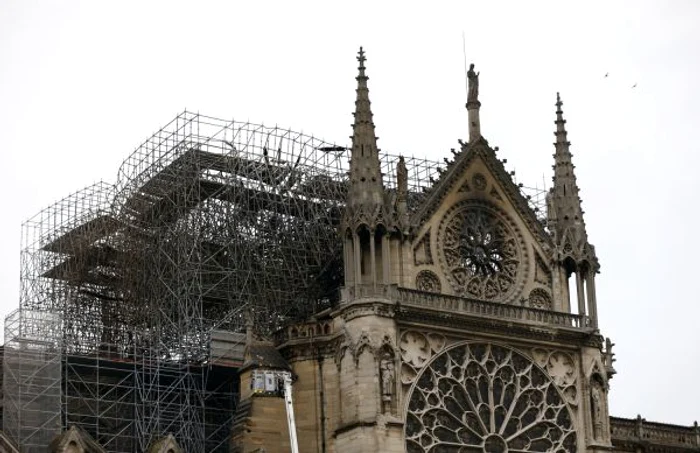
x=633, y=86
x=606, y=74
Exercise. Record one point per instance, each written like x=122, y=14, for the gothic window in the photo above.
x=481, y=253
x=488, y=399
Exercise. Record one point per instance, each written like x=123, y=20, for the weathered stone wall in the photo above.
x=267, y=426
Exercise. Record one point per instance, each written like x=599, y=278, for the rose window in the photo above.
x=487, y=399
x=481, y=254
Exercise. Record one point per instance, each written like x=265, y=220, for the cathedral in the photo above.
x=449, y=316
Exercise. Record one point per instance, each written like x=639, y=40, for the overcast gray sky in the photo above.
x=82, y=84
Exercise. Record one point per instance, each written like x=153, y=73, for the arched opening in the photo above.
x=367, y=256
x=584, y=270
x=349, y=258
x=382, y=254
x=363, y=235
x=572, y=288
x=590, y=298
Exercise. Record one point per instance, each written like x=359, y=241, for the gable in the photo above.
x=454, y=176
x=75, y=440
x=166, y=444
x=483, y=239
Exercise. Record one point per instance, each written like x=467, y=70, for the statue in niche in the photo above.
x=597, y=409
x=388, y=380
x=473, y=77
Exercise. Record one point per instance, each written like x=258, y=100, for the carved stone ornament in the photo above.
x=562, y=368
x=486, y=398
x=428, y=281
x=542, y=273
x=481, y=252
x=421, y=252
x=479, y=181
x=464, y=187
x=540, y=298
x=416, y=349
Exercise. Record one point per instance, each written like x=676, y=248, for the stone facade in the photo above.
x=457, y=330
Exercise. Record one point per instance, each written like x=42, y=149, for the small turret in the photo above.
x=565, y=213
x=366, y=185
x=368, y=213
x=574, y=254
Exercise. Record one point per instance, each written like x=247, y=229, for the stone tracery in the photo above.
x=428, y=281
x=480, y=252
x=486, y=398
x=539, y=298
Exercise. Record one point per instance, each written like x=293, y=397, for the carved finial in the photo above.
x=560, y=122
x=361, y=58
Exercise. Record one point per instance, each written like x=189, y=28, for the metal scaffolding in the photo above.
x=32, y=378
x=211, y=222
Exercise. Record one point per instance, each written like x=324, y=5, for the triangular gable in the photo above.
x=453, y=175
x=166, y=444
x=75, y=440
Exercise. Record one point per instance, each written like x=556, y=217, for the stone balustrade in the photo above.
x=640, y=431
x=455, y=304
x=304, y=330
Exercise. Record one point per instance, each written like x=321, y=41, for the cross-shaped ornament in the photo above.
x=361, y=58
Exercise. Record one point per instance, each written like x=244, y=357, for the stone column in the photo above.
x=349, y=266
x=590, y=293
x=386, y=259
x=579, y=294
x=358, y=257
x=373, y=260
x=474, y=122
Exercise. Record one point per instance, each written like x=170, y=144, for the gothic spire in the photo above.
x=366, y=186
x=565, y=211
x=565, y=220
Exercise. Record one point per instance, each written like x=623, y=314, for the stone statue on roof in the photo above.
x=473, y=95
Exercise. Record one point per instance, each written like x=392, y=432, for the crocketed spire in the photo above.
x=366, y=186
x=565, y=210
x=565, y=216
